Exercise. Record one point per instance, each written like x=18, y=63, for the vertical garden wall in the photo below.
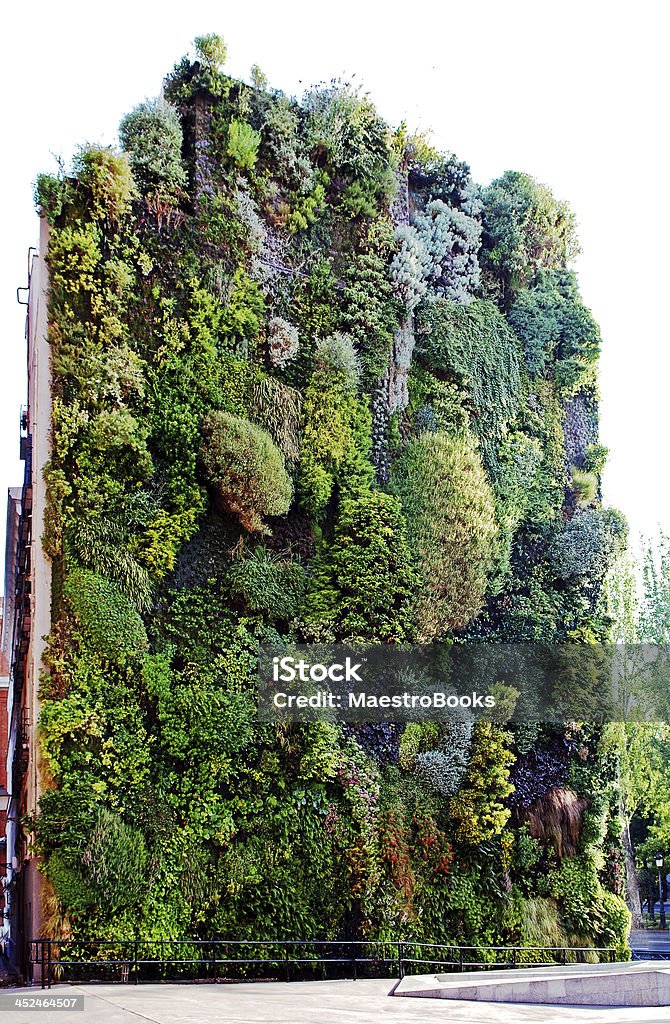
x=312, y=383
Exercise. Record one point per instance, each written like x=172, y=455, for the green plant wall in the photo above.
x=306, y=387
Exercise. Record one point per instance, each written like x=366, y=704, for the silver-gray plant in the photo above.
x=438, y=250
x=337, y=354
x=283, y=341
x=444, y=768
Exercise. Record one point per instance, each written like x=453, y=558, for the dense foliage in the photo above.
x=452, y=528
x=311, y=383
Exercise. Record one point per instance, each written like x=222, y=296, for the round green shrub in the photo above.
x=337, y=354
x=107, y=181
x=243, y=143
x=115, y=861
x=108, y=620
x=587, y=543
x=244, y=469
x=525, y=228
x=616, y=922
x=595, y=458
x=556, y=328
x=151, y=135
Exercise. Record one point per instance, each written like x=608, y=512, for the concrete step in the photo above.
x=630, y=984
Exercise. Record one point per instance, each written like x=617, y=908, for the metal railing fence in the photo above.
x=149, y=960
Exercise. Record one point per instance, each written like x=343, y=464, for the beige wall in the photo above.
x=39, y=425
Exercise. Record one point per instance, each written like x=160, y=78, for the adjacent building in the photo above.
x=26, y=621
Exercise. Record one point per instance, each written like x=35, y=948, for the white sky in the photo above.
x=574, y=93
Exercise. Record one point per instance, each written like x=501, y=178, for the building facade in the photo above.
x=26, y=622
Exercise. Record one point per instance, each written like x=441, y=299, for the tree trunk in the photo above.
x=632, y=887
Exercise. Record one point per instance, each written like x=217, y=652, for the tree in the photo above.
x=654, y=618
x=644, y=747
x=212, y=51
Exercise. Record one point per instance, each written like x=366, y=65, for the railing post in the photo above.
x=401, y=962
x=460, y=951
x=135, y=965
x=49, y=963
x=514, y=958
x=286, y=961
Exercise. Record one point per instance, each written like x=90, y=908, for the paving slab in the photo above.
x=319, y=1002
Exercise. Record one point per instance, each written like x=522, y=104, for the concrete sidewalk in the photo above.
x=318, y=1002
